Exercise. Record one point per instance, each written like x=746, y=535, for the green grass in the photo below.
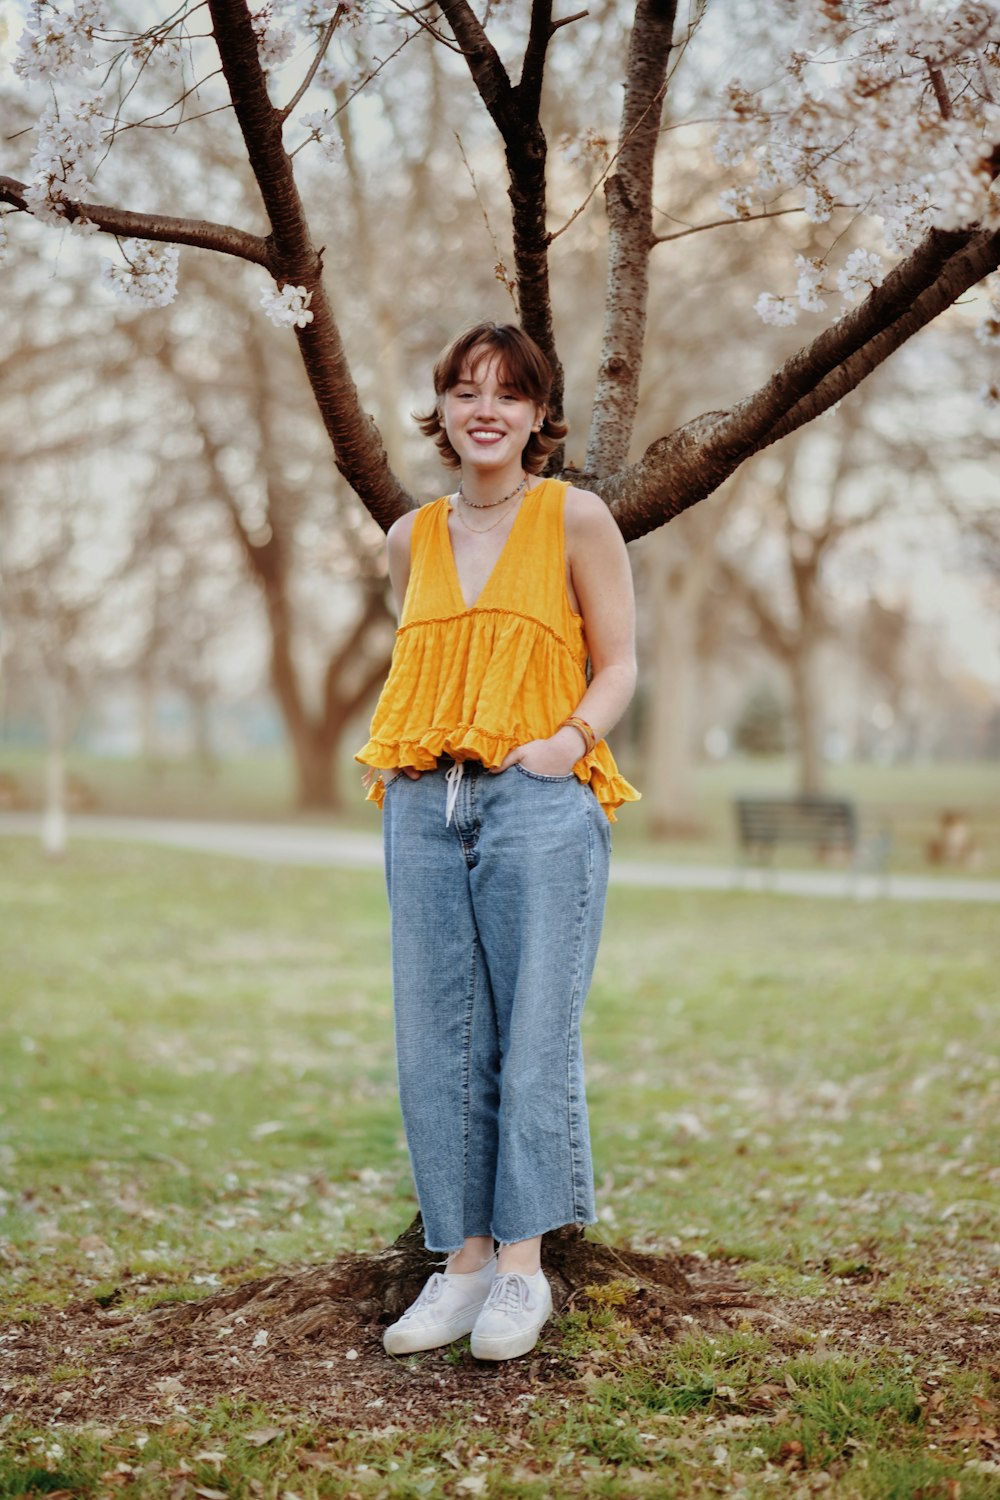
x=198, y=1086
x=907, y=799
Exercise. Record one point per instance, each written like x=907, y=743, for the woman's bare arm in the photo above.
x=602, y=582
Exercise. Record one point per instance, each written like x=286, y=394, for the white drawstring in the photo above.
x=454, y=780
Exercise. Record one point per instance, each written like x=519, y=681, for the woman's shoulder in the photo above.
x=587, y=516
x=400, y=533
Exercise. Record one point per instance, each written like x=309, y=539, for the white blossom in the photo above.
x=3, y=238
x=810, y=284
x=149, y=274
x=69, y=136
x=989, y=394
x=737, y=202
x=288, y=308
x=275, y=41
x=157, y=48
x=322, y=127
x=818, y=203
x=906, y=213
x=59, y=44
x=853, y=113
x=861, y=271
x=778, y=311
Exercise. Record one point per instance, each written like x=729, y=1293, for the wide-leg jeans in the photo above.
x=496, y=919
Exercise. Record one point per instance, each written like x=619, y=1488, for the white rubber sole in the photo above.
x=405, y=1340
x=511, y=1345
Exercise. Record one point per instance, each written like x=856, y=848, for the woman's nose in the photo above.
x=485, y=404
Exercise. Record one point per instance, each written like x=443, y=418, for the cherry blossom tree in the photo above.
x=879, y=114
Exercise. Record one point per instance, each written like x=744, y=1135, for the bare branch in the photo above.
x=515, y=115
x=770, y=213
x=629, y=195
x=533, y=68
x=358, y=448
x=940, y=91
x=677, y=471
x=325, y=41
x=578, y=15
x=499, y=270
x=126, y=225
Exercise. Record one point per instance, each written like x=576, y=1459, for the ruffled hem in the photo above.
x=470, y=742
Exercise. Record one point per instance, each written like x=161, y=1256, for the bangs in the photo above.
x=521, y=365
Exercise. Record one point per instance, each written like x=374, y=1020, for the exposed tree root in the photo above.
x=375, y=1289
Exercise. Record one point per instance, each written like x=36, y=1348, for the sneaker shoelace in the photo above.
x=430, y=1293
x=510, y=1294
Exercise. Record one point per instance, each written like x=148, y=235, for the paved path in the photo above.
x=346, y=849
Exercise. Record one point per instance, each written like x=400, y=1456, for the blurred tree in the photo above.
x=760, y=728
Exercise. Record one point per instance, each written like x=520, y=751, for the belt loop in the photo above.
x=454, y=779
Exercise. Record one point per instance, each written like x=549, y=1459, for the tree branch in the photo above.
x=358, y=448
x=629, y=195
x=529, y=89
x=324, y=43
x=515, y=114
x=201, y=233
x=678, y=470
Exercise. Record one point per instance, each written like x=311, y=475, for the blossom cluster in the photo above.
x=68, y=137
x=322, y=127
x=886, y=107
x=288, y=308
x=59, y=44
x=275, y=39
x=149, y=274
x=988, y=332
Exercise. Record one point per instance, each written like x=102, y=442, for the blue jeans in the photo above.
x=496, y=918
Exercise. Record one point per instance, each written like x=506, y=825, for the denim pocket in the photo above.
x=391, y=782
x=537, y=776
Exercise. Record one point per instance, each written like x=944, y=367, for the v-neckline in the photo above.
x=456, y=577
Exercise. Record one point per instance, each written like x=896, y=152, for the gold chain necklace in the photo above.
x=482, y=530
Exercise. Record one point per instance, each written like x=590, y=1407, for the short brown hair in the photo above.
x=525, y=369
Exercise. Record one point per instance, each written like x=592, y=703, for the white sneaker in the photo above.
x=512, y=1316
x=446, y=1310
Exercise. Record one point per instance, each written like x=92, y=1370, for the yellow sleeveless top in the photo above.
x=475, y=683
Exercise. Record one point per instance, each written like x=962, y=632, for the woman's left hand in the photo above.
x=555, y=756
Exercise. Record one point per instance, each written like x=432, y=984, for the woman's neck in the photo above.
x=490, y=486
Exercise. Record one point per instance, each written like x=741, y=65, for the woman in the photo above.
x=497, y=790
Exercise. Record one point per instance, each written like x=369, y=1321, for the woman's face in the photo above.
x=488, y=423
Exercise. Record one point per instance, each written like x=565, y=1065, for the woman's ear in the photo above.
x=540, y=414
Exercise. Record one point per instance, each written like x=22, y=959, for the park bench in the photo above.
x=828, y=825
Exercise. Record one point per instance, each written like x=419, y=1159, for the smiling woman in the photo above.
x=497, y=792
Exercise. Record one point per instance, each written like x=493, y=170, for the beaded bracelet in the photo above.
x=589, y=737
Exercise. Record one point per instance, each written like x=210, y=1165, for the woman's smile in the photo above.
x=486, y=419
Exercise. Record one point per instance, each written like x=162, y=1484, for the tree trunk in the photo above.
x=317, y=788
x=54, y=823
x=678, y=581
x=808, y=711
x=669, y=750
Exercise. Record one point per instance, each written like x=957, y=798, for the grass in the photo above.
x=907, y=799
x=198, y=1086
